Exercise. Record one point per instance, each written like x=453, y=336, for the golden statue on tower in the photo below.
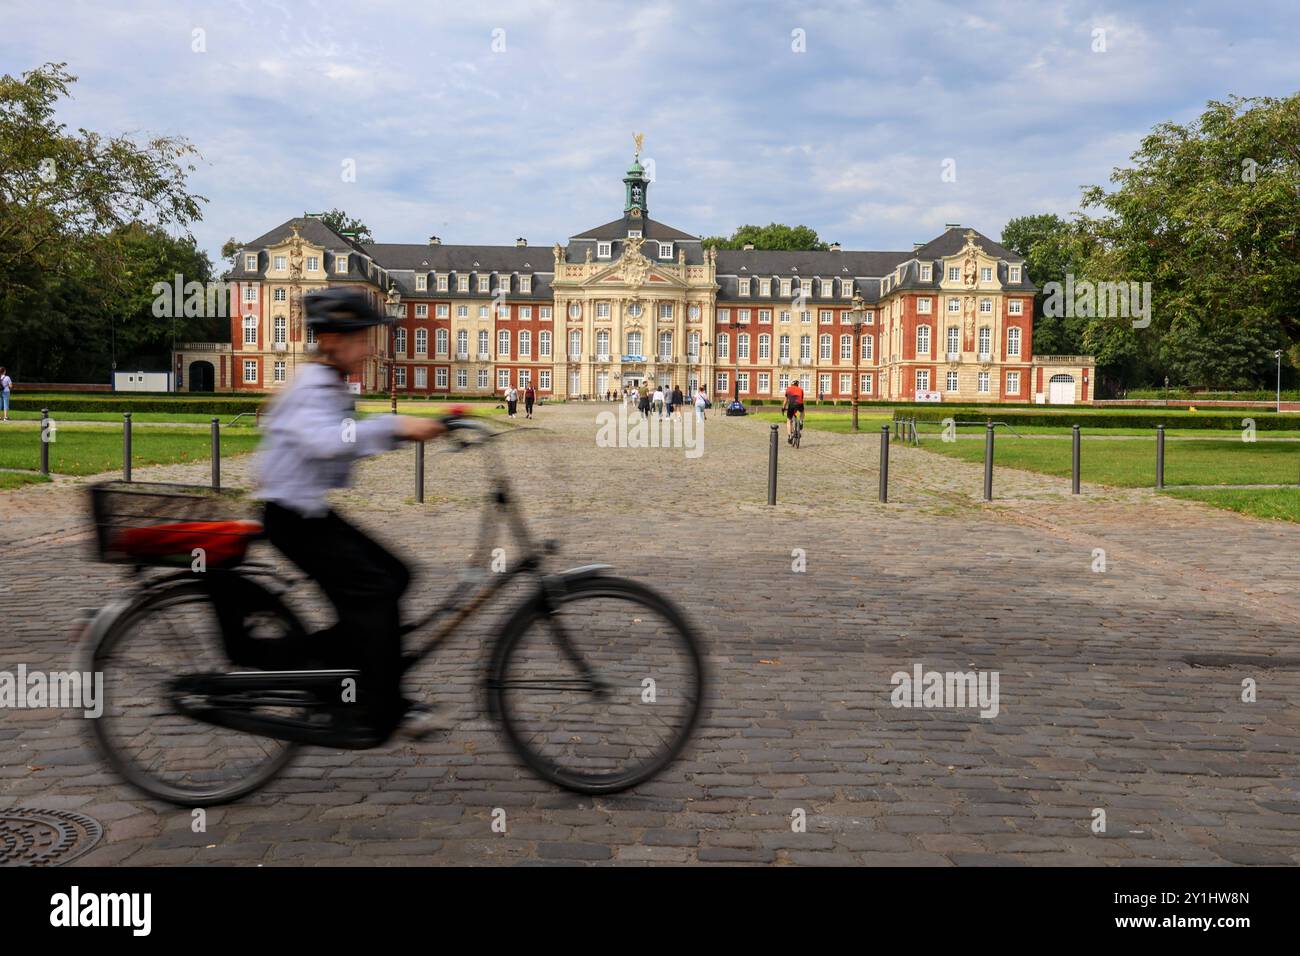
x=637, y=138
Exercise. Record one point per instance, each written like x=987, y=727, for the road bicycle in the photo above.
x=596, y=681
x=796, y=429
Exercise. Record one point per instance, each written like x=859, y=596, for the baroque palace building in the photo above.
x=635, y=300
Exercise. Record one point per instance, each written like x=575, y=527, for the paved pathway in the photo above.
x=1119, y=690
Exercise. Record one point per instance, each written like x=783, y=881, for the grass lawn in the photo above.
x=868, y=424
x=1280, y=504
x=248, y=421
x=15, y=479
x=88, y=450
x=436, y=408
x=1132, y=464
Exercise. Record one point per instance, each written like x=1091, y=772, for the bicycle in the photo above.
x=596, y=681
x=796, y=431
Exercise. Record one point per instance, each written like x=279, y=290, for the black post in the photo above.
x=216, y=454
x=45, y=441
x=419, y=472
x=988, y=462
x=1074, y=460
x=771, y=467
x=884, y=463
x=1160, y=456
x=126, y=446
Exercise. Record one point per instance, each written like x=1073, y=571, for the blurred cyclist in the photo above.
x=311, y=438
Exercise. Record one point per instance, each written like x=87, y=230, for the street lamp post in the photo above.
x=393, y=306
x=1277, y=354
x=855, y=316
x=733, y=326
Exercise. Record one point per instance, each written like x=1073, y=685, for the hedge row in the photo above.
x=116, y=403
x=1221, y=421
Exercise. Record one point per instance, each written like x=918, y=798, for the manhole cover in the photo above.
x=31, y=837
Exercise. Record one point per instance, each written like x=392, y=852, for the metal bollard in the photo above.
x=126, y=446
x=45, y=441
x=419, y=472
x=771, y=467
x=988, y=462
x=216, y=454
x=1074, y=460
x=884, y=463
x=1160, y=456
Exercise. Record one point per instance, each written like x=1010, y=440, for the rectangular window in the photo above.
x=954, y=342
x=544, y=313
x=482, y=378
x=442, y=310
x=485, y=283
x=825, y=316
x=951, y=383
x=723, y=383
x=665, y=310
x=986, y=274
x=503, y=378
x=1013, y=342
x=250, y=263
x=846, y=288
x=764, y=286
x=462, y=378
x=544, y=378
x=742, y=381
x=923, y=305
x=743, y=287
x=250, y=370
x=983, y=382
x=462, y=311
x=503, y=343
x=602, y=310
x=954, y=273
x=421, y=377
x=421, y=341
x=866, y=383
x=340, y=263
x=280, y=262
x=954, y=306
x=278, y=371
x=846, y=384
x=1013, y=273
x=250, y=293
x=922, y=340
x=922, y=379
x=399, y=376
x=764, y=382
x=422, y=310
x=828, y=288
x=742, y=316
x=742, y=346
x=666, y=251
x=503, y=283
x=925, y=273
x=525, y=283
x=603, y=250
x=441, y=281
x=823, y=384
x=421, y=283
x=986, y=306
x=462, y=283
x=1013, y=383
x=784, y=347
x=984, y=341
x=525, y=312
x=440, y=376
x=278, y=332
x=1015, y=307
x=765, y=316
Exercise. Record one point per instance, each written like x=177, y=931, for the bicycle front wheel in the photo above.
x=598, y=688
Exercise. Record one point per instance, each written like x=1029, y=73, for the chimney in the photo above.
x=917, y=245
x=951, y=225
x=748, y=247
x=835, y=247
x=521, y=242
x=435, y=241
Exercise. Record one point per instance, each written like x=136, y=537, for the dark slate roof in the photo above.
x=317, y=233
x=952, y=241
x=650, y=229
x=404, y=260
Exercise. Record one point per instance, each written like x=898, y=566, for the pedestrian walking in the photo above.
x=6, y=385
x=530, y=396
x=701, y=403
x=512, y=401
x=657, y=401
x=678, y=400
x=645, y=400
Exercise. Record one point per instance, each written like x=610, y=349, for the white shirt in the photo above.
x=659, y=395
x=310, y=438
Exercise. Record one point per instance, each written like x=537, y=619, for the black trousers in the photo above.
x=365, y=583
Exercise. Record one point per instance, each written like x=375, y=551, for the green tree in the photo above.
x=772, y=236
x=72, y=257
x=1052, y=248
x=341, y=222
x=1209, y=214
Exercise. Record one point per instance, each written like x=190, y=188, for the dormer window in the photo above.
x=828, y=288
x=313, y=264
x=634, y=233
x=846, y=287
x=340, y=263
x=280, y=262
x=441, y=281
x=485, y=283
x=1013, y=274
x=250, y=263
x=954, y=273
x=665, y=250
x=986, y=274
x=805, y=287
x=926, y=272
x=503, y=283
x=604, y=250
x=421, y=283
x=785, y=287
x=462, y=283
x=764, y=286
x=744, y=287
x=525, y=283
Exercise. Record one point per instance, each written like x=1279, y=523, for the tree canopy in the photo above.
x=772, y=236
x=88, y=224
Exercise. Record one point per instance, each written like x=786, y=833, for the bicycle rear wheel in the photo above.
x=602, y=692
x=168, y=633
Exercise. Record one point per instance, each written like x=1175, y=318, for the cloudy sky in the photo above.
x=482, y=121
